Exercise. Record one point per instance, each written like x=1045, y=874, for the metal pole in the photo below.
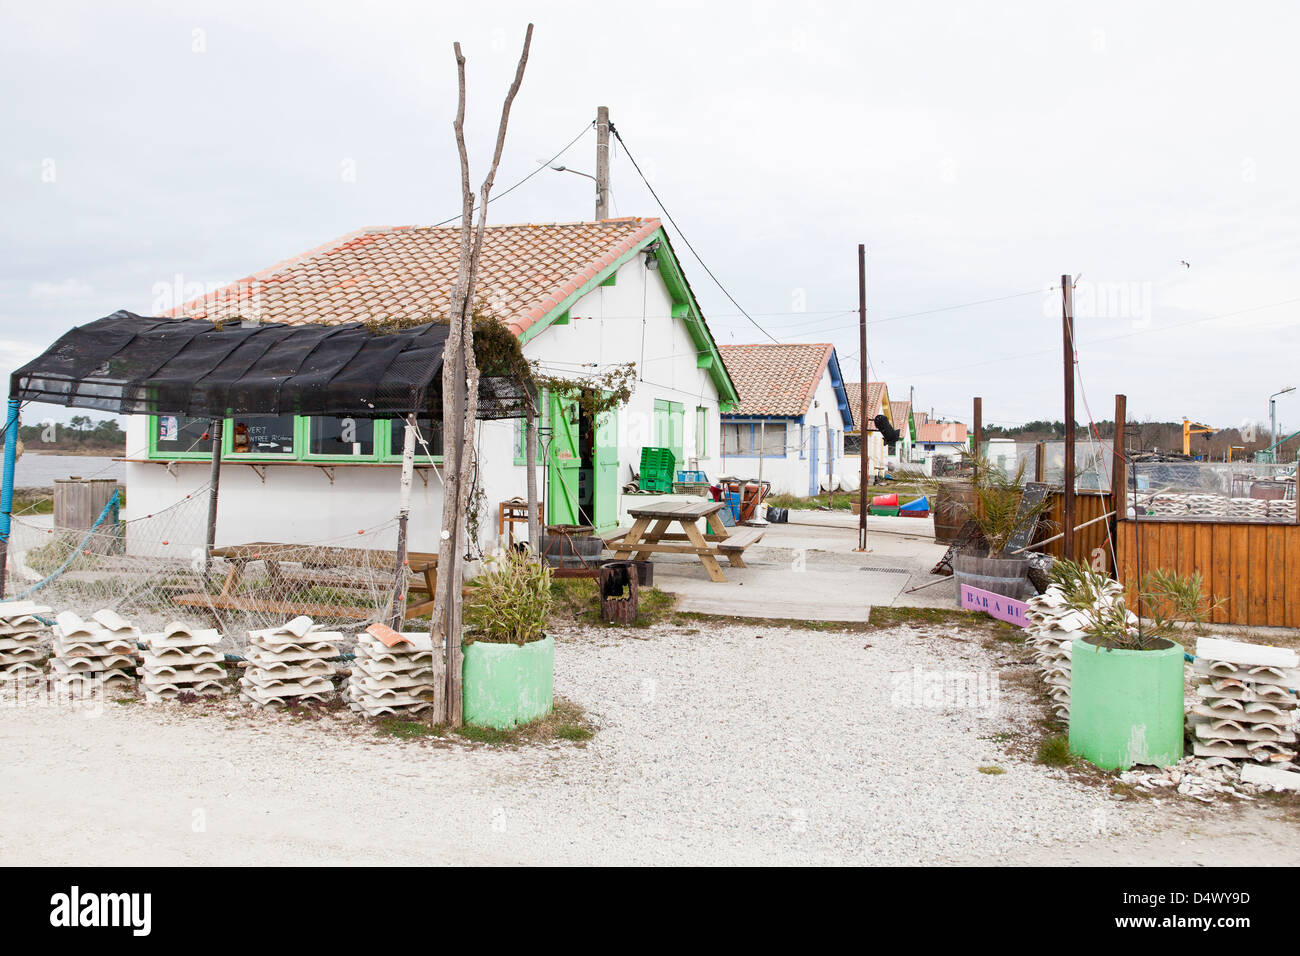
x=398, y=615
x=864, y=463
x=7, y=489
x=1067, y=337
x=830, y=464
x=214, y=483
x=1272, y=429
x=602, y=163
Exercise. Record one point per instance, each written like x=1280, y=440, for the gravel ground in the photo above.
x=741, y=744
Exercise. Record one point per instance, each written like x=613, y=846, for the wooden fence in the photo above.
x=1254, y=568
x=1089, y=542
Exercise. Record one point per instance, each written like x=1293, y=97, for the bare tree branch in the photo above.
x=460, y=377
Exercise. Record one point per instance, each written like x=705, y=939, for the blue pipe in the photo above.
x=7, y=485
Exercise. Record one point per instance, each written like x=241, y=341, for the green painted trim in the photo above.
x=704, y=361
x=675, y=280
x=591, y=284
x=154, y=453
x=521, y=450
x=303, y=441
x=611, y=279
x=684, y=307
x=562, y=319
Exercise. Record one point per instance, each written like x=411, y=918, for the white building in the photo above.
x=790, y=422
x=581, y=297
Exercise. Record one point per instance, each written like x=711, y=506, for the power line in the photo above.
x=669, y=216
x=546, y=165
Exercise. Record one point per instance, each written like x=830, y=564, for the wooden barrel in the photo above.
x=952, y=504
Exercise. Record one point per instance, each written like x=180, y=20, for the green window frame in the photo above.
x=304, y=440
x=670, y=417
x=701, y=433
x=166, y=455
x=382, y=452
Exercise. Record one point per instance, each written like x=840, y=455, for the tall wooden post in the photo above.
x=214, y=484
x=1040, y=461
x=1119, y=499
x=398, y=610
x=864, y=454
x=1067, y=338
x=602, y=163
x=979, y=426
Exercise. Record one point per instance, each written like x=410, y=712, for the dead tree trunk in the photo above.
x=460, y=377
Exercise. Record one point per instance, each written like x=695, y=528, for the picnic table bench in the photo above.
x=313, y=561
x=650, y=534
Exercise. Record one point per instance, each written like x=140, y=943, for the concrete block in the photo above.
x=1270, y=777
x=1246, y=655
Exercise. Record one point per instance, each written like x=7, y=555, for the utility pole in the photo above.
x=979, y=426
x=864, y=464
x=1067, y=337
x=602, y=163
x=1118, y=496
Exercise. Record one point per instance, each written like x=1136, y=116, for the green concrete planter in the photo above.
x=1126, y=706
x=508, y=684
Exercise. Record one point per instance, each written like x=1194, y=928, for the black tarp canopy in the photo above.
x=129, y=364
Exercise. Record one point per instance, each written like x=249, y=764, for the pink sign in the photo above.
x=995, y=605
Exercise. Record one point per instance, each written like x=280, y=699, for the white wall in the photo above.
x=298, y=503
x=792, y=474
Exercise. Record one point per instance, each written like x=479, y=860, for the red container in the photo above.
x=885, y=501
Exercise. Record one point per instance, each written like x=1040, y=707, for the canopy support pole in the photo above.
x=7, y=488
x=214, y=483
x=398, y=615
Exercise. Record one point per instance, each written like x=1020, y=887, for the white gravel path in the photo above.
x=716, y=747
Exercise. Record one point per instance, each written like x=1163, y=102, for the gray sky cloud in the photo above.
x=978, y=150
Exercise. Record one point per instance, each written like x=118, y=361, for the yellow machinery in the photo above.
x=1189, y=430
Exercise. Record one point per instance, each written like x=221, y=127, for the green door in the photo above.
x=670, y=428
x=605, y=465
x=563, y=462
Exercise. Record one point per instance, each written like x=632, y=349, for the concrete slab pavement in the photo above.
x=807, y=570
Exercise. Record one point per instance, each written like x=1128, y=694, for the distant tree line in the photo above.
x=1155, y=436
x=79, y=434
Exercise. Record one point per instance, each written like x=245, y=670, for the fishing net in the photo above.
x=154, y=569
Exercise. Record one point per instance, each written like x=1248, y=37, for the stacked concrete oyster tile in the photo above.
x=22, y=632
x=1052, y=628
x=181, y=660
x=1245, y=705
x=99, y=652
x=292, y=662
x=394, y=673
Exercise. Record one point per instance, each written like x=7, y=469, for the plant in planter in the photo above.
x=1126, y=675
x=999, y=509
x=509, y=667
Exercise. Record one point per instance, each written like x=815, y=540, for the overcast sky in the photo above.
x=979, y=150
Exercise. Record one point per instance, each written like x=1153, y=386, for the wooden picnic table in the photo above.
x=650, y=534
x=313, y=559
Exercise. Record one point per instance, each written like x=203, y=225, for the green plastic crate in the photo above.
x=657, y=468
x=883, y=511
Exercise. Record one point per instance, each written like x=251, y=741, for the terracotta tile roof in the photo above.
x=875, y=396
x=900, y=410
x=407, y=272
x=775, y=379
x=951, y=432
